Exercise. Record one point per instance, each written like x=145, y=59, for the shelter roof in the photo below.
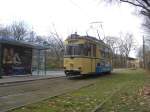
x=22, y=44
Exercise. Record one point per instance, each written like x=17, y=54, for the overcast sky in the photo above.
x=71, y=16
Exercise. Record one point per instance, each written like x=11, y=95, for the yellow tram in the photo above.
x=86, y=55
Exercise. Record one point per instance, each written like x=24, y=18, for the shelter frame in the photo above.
x=41, y=55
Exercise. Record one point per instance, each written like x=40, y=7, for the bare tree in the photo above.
x=121, y=48
x=32, y=37
x=128, y=45
x=121, y=52
x=98, y=27
x=113, y=43
x=56, y=45
x=146, y=24
x=39, y=40
x=143, y=7
x=5, y=32
x=19, y=30
x=140, y=53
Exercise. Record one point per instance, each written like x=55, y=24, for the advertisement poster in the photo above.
x=16, y=60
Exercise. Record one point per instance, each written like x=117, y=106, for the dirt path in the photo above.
x=16, y=95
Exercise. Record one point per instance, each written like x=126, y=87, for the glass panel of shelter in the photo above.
x=38, y=62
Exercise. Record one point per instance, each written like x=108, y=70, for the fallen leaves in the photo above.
x=51, y=104
x=146, y=90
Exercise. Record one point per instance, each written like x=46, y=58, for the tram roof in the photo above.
x=22, y=44
x=76, y=36
x=91, y=38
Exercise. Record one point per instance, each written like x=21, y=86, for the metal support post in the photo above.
x=0, y=61
x=45, y=62
x=38, y=62
x=144, y=53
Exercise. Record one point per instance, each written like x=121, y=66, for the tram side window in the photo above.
x=103, y=52
x=90, y=50
x=94, y=50
x=80, y=49
x=106, y=52
x=87, y=50
x=102, y=63
x=76, y=50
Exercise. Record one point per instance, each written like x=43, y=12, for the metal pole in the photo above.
x=0, y=61
x=144, y=53
x=45, y=62
x=32, y=59
x=38, y=62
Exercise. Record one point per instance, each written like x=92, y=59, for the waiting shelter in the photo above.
x=21, y=58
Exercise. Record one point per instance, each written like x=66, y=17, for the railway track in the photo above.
x=19, y=94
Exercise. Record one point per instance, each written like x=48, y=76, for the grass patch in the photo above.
x=119, y=92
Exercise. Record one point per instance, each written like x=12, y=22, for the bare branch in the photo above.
x=135, y=4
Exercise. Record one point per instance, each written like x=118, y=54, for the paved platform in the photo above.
x=25, y=78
